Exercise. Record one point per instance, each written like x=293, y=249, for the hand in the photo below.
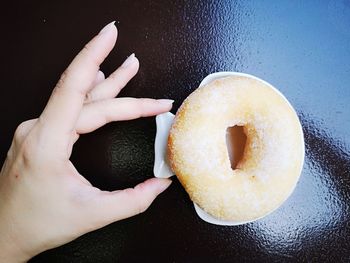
x=44, y=201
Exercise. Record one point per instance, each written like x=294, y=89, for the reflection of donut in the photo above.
x=272, y=158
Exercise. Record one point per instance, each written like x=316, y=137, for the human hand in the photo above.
x=44, y=201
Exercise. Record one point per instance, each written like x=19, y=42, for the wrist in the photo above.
x=11, y=251
x=11, y=254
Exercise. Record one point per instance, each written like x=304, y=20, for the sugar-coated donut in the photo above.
x=273, y=155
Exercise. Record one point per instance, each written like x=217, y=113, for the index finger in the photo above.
x=66, y=101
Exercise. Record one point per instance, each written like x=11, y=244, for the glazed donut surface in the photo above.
x=273, y=154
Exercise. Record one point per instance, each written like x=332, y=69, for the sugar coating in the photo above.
x=273, y=155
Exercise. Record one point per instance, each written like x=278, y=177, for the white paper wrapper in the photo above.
x=161, y=167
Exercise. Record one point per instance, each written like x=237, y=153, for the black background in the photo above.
x=301, y=47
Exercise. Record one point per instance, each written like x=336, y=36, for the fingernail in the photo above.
x=164, y=185
x=166, y=102
x=107, y=28
x=129, y=60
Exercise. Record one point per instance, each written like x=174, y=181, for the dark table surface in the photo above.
x=301, y=47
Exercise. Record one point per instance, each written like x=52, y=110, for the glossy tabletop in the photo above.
x=301, y=47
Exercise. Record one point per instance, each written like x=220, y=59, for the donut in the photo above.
x=271, y=160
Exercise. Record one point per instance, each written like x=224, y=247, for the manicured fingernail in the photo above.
x=166, y=102
x=131, y=59
x=165, y=184
x=107, y=28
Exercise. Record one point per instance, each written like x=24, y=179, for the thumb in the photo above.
x=121, y=204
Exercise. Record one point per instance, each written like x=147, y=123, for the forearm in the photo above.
x=10, y=251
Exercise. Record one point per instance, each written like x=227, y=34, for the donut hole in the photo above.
x=235, y=141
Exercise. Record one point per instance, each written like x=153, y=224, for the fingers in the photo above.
x=22, y=130
x=117, y=205
x=99, y=78
x=116, y=81
x=97, y=114
x=66, y=101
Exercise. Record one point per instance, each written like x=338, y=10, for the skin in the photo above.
x=44, y=201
